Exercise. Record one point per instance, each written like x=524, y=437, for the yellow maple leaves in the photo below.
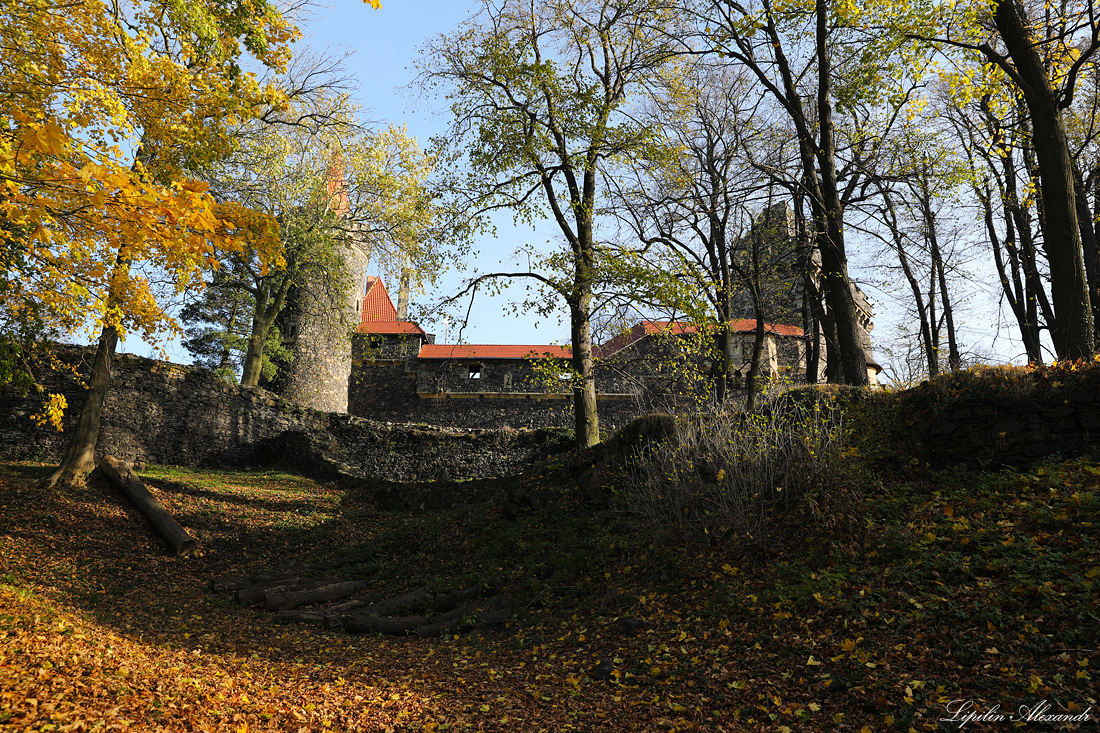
x=97, y=126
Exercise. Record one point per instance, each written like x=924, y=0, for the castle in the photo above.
x=397, y=373
x=392, y=370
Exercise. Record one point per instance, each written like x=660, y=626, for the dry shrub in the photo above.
x=729, y=471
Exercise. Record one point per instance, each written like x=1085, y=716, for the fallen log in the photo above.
x=299, y=616
x=456, y=614
x=254, y=594
x=334, y=615
x=391, y=625
x=493, y=617
x=467, y=618
x=239, y=582
x=387, y=607
x=278, y=600
x=390, y=606
x=456, y=598
x=120, y=474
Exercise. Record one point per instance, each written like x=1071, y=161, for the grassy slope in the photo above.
x=962, y=586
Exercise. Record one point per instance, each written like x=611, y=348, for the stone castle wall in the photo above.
x=166, y=413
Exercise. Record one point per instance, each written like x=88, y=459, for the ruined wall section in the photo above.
x=165, y=413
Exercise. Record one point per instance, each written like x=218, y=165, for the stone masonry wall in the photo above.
x=166, y=413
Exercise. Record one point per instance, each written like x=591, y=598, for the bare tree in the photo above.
x=1042, y=52
x=762, y=39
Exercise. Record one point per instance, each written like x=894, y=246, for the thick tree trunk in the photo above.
x=121, y=476
x=834, y=262
x=254, y=355
x=1089, y=247
x=79, y=458
x=723, y=365
x=584, y=390
x=267, y=308
x=836, y=285
x=1072, y=329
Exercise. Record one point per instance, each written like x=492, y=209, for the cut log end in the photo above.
x=186, y=546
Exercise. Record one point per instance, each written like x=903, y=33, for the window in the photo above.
x=508, y=379
x=475, y=371
x=376, y=342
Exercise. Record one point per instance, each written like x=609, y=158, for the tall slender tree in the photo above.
x=170, y=84
x=1042, y=54
x=542, y=94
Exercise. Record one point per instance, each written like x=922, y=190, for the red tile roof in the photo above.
x=493, y=351
x=748, y=325
x=390, y=328
x=377, y=305
x=675, y=328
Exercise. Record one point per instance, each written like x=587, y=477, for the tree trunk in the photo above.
x=834, y=263
x=1072, y=329
x=1089, y=247
x=285, y=600
x=752, y=386
x=79, y=458
x=931, y=355
x=120, y=474
x=954, y=359
x=584, y=392
x=723, y=371
x=403, y=294
x=268, y=306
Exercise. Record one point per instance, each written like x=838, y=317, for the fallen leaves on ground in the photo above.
x=978, y=587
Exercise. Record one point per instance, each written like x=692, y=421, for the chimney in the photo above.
x=403, y=295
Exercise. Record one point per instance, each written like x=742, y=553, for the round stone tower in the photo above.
x=323, y=316
x=326, y=314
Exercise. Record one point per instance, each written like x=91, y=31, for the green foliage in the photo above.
x=556, y=439
x=217, y=327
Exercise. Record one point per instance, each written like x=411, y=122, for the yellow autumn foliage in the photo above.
x=103, y=106
x=99, y=115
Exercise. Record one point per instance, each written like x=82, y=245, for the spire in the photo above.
x=337, y=183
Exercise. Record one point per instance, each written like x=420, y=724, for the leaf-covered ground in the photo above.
x=973, y=587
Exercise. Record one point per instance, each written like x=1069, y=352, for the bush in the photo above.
x=730, y=472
